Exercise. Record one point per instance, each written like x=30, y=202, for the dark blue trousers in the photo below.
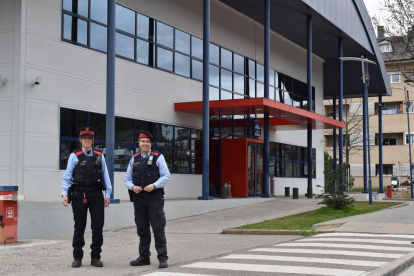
x=95, y=204
x=149, y=210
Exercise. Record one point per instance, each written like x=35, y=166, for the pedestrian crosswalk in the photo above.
x=336, y=254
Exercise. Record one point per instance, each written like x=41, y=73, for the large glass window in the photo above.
x=226, y=59
x=182, y=42
x=77, y=6
x=226, y=80
x=197, y=69
x=145, y=52
x=99, y=10
x=98, y=37
x=238, y=83
x=165, y=35
x=182, y=65
x=164, y=59
x=173, y=142
x=214, y=75
x=214, y=54
x=124, y=46
x=75, y=29
x=196, y=47
x=177, y=52
x=214, y=94
x=238, y=64
x=125, y=19
x=145, y=27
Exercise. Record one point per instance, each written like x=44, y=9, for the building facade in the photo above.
x=394, y=126
x=53, y=56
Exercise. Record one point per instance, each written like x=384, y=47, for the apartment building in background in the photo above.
x=395, y=127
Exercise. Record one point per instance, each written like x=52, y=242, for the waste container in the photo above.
x=8, y=214
x=389, y=191
x=295, y=193
x=287, y=191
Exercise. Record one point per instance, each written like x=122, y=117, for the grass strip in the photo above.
x=305, y=221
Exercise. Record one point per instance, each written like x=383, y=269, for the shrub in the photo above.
x=333, y=196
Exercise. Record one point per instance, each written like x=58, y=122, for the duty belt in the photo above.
x=83, y=189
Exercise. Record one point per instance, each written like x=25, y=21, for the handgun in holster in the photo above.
x=70, y=194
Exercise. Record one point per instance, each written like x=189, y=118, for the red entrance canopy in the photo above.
x=282, y=115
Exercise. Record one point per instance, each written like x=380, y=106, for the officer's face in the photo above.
x=145, y=144
x=86, y=141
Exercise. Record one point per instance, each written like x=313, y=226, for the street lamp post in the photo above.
x=365, y=82
x=407, y=106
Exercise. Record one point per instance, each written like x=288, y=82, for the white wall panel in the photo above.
x=5, y=149
x=5, y=116
x=5, y=177
x=6, y=14
x=42, y=119
x=6, y=46
x=44, y=19
x=41, y=153
x=6, y=90
x=42, y=186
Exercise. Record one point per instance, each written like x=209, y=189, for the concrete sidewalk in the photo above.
x=189, y=239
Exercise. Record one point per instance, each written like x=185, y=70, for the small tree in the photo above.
x=333, y=196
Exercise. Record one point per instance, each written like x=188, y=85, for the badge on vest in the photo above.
x=82, y=163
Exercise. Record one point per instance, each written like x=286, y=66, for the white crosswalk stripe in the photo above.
x=330, y=252
x=303, y=260
x=302, y=270
x=333, y=254
x=366, y=235
x=358, y=240
x=353, y=246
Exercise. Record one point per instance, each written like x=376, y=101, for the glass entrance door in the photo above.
x=255, y=173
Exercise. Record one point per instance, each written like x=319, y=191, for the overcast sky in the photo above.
x=373, y=7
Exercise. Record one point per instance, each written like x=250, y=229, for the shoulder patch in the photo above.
x=136, y=154
x=78, y=152
x=155, y=152
x=97, y=152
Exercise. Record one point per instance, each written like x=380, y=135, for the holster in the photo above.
x=70, y=194
x=131, y=195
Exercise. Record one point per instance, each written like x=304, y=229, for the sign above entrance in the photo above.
x=256, y=128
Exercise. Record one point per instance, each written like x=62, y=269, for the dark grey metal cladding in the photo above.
x=331, y=19
x=344, y=15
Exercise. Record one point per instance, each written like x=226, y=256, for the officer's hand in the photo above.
x=136, y=189
x=65, y=201
x=149, y=188
x=107, y=201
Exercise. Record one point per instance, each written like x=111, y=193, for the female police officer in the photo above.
x=87, y=172
x=146, y=176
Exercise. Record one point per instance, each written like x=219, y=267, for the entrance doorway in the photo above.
x=255, y=173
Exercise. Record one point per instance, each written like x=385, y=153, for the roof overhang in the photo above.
x=284, y=116
x=332, y=19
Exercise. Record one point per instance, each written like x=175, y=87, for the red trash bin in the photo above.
x=8, y=214
x=389, y=191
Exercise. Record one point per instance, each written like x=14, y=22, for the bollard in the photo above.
x=389, y=191
x=287, y=191
x=223, y=192
x=295, y=193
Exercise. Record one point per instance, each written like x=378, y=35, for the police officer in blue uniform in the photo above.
x=145, y=179
x=85, y=178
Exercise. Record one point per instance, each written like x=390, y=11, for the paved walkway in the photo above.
x=189, y=239
x=197, y=239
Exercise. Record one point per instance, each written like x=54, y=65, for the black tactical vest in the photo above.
x=144, y=174
x=87, y=172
